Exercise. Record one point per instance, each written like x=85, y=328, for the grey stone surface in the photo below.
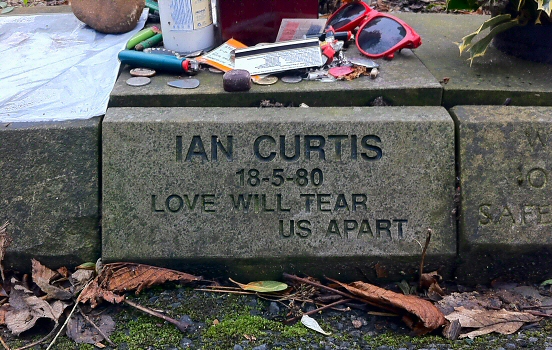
x=402, y=81
x=491, y=79
x=174, y=178
x=50, y=192
x=505, y=157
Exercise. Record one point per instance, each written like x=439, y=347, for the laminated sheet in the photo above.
x=54, y=67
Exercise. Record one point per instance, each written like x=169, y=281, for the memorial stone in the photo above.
x=282, y=188
x=50, y=192
x=505, y=158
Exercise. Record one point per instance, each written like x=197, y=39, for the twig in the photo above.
x=333, y=290
x=63, y=325
x=296, y=318
x=182, y=326
x=4, y=343
x=43, y=339
x=424, y=252
x=537, y=313
x=97, y=328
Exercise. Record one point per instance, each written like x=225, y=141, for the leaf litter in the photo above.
x=425, y=307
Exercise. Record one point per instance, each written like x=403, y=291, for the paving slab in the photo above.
x=272, y=190
x=402, y=81
x=50, y=192
x=491, y=79
x=505, y=167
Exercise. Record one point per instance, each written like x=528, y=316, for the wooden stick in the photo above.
x=424, y=252
x=180, y=325
x=4, y=343
x=321, y=286
x=97, y=328
x=296, y=318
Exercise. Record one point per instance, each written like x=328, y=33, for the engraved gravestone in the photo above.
x=505, y=157
x=182, y=184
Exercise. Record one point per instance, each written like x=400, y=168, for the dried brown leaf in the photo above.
x=83, y=332
x=421, y=315
x=488, y=321
x=25, y=309
x=43, y=276
x=125, y=277
x=5, y=241
x=79, y=279
x=3, y=311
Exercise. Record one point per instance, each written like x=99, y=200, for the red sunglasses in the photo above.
x=379, y=35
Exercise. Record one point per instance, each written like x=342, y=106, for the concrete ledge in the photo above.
x=50, y=192
x=491, y=79
x=402, y=81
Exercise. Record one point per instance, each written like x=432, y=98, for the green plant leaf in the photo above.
x=7, y=9
x=262, y=286
x=479, y=48
x=470, y=5
x=546, y=283
x=544, y=5
x=3, y=4
x=491, y=22
x=87, y=266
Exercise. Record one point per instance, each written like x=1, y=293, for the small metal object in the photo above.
x=142, y=72
x=365, y=62
x=268, y=80
x=194, y=54
x=138, y=81
x=184, y=83
x=162, y=51
x=215, y=70
x=374, y=73
x=327, y=79
x=292, y=79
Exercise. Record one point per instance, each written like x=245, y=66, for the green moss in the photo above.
x=236, y=328
x=295, y=331
x=147, y=331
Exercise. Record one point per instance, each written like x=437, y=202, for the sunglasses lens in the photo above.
x=346, y=15
x=380, y=35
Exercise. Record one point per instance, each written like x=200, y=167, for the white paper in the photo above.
x=55, y=68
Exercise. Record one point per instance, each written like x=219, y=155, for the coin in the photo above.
x=215, y=70
x=142, y=72
x=138, y=81
x=327, y=79
x=268, y=80
x=184, y=83
x=291, y=79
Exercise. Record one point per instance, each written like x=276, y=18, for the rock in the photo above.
x=109, y=16
x=236, y=80
x=186, y=343
x=273, y=308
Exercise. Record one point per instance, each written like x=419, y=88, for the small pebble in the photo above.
x=510, y=346
x=533, y=340
x=260, y=347
x=236, y=80
x=238, y=347
x=186, y=343
x=374, y=73
x=273, y=308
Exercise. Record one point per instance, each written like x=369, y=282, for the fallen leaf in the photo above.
x=25, y=309
x=79, y=279
x=7, y=10
x=311, y=323
x=87, y=266
x=5, y=239
x=83, y=332
x=3, y=311
x=488, y=321
x=43, y=276
x=421, y=315
x=124, y=277
x=262, y=286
